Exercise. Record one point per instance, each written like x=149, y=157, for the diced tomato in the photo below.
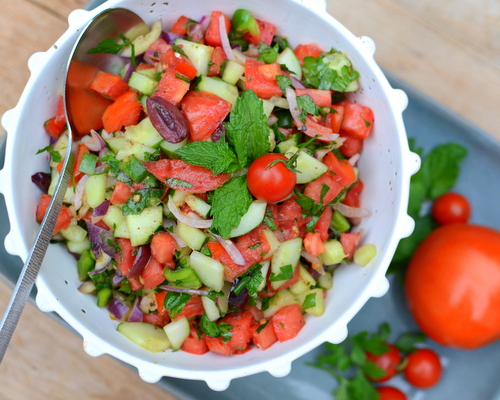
x=135, y=284
x=159, y=46
x=266, y=337
x=87, y=217
x=264, y=86
x=82, y=149
x=180, y=26
x=216, y=60
x=125, y=257
x=350, y=242
x=212, y=34
x=204, y=112
x=152, y=274
x=352, y=196
x=334, y=119
x=253, y=245
x=351, y=146
x=125, y=111
x=187, y=69
x=322, y=98
x=313, y=244
x=169, y=58
x=358, y=120
x=314, y=189
x=63, y=219
x=323, y=224
x=154, y=318
x=231, y=269
x=160, y=302
x=241, y=334
x=109, y=85
x=193, y=308
x=199, y=179
x=194, y=344
x=289, y=219
x=57, y=124
x=267, y=32
x=163, y=246
x=342, y=171
x=288, y=321
x=307, y=50
x=171, y=88
x=121, y=193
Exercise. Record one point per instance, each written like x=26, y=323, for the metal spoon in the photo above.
x=83, y=109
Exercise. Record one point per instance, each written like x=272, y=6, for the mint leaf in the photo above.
x=108, y=45
x=268, y=54
x=284, y=82
x=229, y=203
x=318, y=74
x=309, y=301
x=175, y=302
x=286, y=273
x=211, y=328
x=56, y=156
x=306, y=106
x=141, y=199
x=216, y=156
x=251, y=280
x=247, y=129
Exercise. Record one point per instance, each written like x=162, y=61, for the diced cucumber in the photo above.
x=75, y=233
x=209, y=270
x=280, y=102
x=211, y=309
x=199, y=54
x=142, y=83
x=288, y=253
x=179, y=197
x=326, y=280
x=219, y=87
x=223, y=301
x=142, y=226
x=169, y=148
x=291, y=142
x=304, y=283
x=95, y=189
x=315, y=298
x=264, y=270
x=147, y=336
x=195, y=238
x=60, y=146
x=114, y=216
x=145, y=133
x=115, y=143
x=198, y=205
x=121, y=230
x=272, y=241
x=142, y=42
x=268, y=107
x=252, y=218
x=334, y=252
x=337, y=61
x=308, y=167
x=131, y=147
x=288, y=57
x=280, y=299
x=232, y=72
x=78, y=247
x=177, y=331
x=364, y=254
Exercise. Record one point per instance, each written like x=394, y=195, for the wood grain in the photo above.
x=448, y=49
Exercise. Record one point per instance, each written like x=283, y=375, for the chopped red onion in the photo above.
x=183, y=290
x=351, y=212
x=136, y=313
x=77, y=199
x=118, y=308
x=100, y=239
x=87, y=287
x=296, y=83
x=94, y=142
x=151, y=56
x=117, y=278
x=195, y=223
x=169, y=37
x=127, y=72
x=232, y=250
x=101, y=209
x=226, y=46
x=310, y=258
x=205, y=21
x=141, y=259
x=354, y=159
x=195, y=32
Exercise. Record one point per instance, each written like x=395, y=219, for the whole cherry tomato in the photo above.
x=452, y=285
x=423, y=368
x=390, y=393
x=269, y=180
x=451, y=208
x=388, y=361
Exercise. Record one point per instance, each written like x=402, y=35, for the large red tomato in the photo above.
x=453, y=285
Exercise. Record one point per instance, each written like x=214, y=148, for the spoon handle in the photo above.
x=34, y=261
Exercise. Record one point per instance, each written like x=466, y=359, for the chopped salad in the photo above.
x=211, y=203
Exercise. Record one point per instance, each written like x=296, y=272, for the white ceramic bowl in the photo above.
x=386, y=166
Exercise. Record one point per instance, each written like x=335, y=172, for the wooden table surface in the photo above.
x=448, y=49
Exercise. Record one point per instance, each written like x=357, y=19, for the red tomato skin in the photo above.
x=201, y=179
x=152, y=274
x=270, y=184
x=453, y=281
x=63, y=219
x=163, y=246
x=390, y=393
x=288, y=321
x=388, y=361
x=262, y=86
x=307, y=50
x=358, y=120
x=265, y=338
x=423, y=369
x=193, y=344
x=451, y=208
x=342, y=171
x=351, y=146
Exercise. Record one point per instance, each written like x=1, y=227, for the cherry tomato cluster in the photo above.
x=421, y=367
